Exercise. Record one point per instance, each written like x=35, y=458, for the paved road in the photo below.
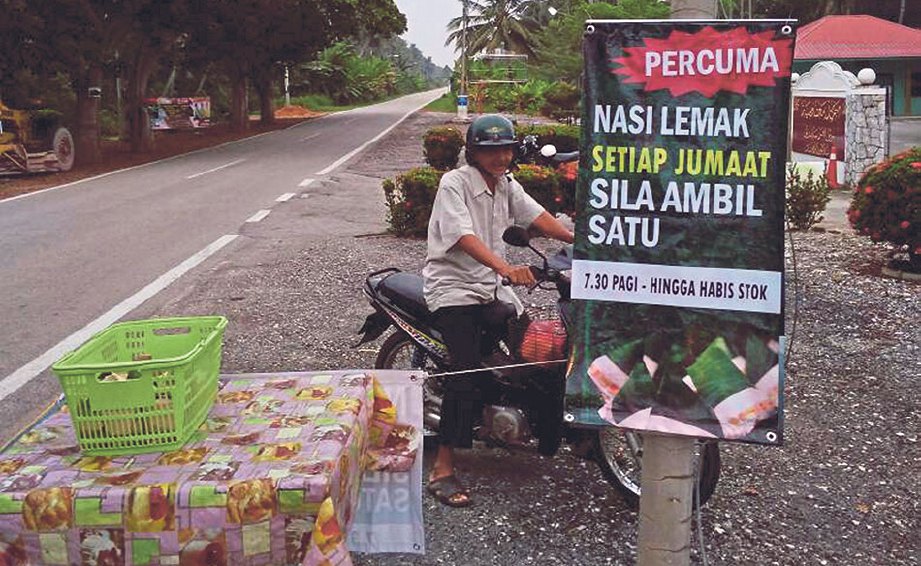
x=904, y=133
x=75, y=259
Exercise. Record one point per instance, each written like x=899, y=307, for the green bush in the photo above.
x=346, y=77
x=807, y=197
x=501, y=98
x=887, y=204
x=543, y=184
x=109, y=126
x=529, y=96
x=318, y=102
x=561, y=101
x=409, y=199
x=441, y=146
x=565, y=138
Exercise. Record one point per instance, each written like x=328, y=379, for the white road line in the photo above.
x=306, y=138
x=258, y=216
x=360, y=148
x=224, y=166
x=305, y=183
x=26, y=373
x=285, y=197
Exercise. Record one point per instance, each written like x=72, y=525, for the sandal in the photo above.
x=449, y=491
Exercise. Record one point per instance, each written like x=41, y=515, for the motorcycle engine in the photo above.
x=506, y=425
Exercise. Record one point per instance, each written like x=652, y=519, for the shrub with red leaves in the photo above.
x=887, y=204
x=409, y=200
x=441, y=146
x=543, y=184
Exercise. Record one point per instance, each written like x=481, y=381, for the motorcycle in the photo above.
x=528, y=367
x=529, y=151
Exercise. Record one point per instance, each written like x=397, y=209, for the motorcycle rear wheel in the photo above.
x=399, y=351
x=619, y=455
x=396, y=352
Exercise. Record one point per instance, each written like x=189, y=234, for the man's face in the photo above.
x=495, y=160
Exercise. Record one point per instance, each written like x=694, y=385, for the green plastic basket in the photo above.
x=144, y=385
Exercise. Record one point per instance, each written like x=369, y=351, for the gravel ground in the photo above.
x=843, y=490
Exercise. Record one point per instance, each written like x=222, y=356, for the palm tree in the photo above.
x=495, y=24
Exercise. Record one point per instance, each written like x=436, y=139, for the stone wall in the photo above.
x=865, y=131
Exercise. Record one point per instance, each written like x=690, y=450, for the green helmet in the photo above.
x=491, y=130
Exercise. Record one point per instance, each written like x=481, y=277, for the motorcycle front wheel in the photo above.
x=619, y=454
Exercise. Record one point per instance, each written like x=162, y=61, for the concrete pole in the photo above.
x=463, y=99
x=666, y=500
x=463, y=87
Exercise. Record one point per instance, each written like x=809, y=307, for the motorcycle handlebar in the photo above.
x=542, y=275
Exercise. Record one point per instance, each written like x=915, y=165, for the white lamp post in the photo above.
x=287, y=83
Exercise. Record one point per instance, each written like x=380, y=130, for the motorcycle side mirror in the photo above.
x=519, y=237
x=548, y=150
x=516, y=236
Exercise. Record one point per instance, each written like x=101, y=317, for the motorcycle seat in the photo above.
x=404, y=290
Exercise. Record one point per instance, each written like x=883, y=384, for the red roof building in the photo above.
x=855, y=42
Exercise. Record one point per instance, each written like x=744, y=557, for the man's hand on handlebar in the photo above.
x=517, y=275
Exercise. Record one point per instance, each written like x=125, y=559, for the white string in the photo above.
x=510, y=366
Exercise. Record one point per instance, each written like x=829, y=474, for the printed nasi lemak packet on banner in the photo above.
x=678, y=264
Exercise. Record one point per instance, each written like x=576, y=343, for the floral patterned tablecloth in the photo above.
x=272, y=477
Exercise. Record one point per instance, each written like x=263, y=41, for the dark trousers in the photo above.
x=469, y=331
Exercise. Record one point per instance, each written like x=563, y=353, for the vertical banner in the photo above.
x=678, y=262
x=389, y=515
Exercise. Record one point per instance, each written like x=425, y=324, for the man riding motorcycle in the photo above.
x=465, y=275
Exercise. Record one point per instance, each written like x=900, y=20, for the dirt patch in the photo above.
x=294, y=111
x=117, y=154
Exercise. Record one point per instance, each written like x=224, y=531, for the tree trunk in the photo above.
x=140, y=134
x=239, y=108
x=87, y=132
x=266, y=90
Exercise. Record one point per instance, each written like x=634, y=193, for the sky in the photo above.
x=426, y=21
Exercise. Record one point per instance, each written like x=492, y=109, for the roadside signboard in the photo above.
x=679, y=265
x=818, y=126
x=179, y=113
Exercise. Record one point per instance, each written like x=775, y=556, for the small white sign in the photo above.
x=678, y=286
